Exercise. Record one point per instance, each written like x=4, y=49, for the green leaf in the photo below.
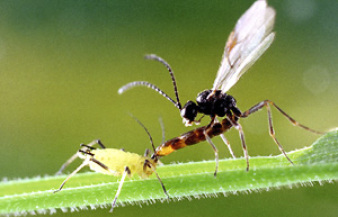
x=189, y=180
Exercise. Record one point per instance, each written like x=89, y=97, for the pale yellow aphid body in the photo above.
x=117, y=160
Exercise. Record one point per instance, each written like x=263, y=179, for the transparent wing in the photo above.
x=250, y=38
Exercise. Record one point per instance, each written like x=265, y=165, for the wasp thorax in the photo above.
x=215, y=103
x=224, y=106
x=204, y=102
x=209, y=102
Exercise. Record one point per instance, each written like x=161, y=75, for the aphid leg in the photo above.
x=148, y=164
x=72, y=158
x=159, y=179
x=122, y=149
x=85, y=163
x=69, y=161
x=87, y=146
x=90, y=145
x=228, y=145
x=86, y=152
x=241, y=135
x=101, y=164
x=96, y=142
x=125, y=173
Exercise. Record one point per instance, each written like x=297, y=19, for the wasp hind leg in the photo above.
x=267, y=104
x=244, y=147
x=208, y=139
x=227, y=143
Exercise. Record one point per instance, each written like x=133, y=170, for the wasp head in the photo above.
x=189, y=113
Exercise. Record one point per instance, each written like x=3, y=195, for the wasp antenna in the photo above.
x=140, y=123
x=171, y=72
x=149, y=85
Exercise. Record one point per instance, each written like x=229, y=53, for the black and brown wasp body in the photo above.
x=251, y=37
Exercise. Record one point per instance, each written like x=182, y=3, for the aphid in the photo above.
x=115, y=162
x=251, y=37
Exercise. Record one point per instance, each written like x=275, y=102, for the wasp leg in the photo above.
x=215, y=150
x=208, y=139
x=228, y=145
x=241, y=135
x=267, y=103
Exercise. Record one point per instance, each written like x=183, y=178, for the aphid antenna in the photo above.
x=140, y=123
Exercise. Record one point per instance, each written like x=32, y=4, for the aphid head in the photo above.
x=154, y=158
x=189, y=113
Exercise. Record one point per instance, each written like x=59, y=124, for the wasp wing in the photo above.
x=250, y=38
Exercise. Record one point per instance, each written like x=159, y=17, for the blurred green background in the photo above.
x=61, y=63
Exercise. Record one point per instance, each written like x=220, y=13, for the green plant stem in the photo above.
x=315, y=163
